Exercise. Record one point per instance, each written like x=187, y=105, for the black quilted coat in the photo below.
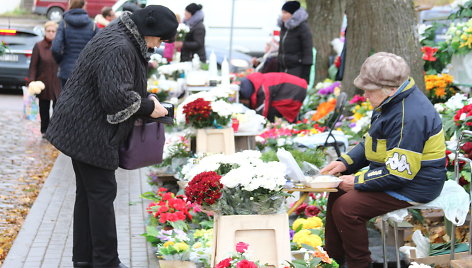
x=98, y=105
x=296, y=45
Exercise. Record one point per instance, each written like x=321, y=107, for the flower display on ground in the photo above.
x=239, y=259
x=439, y=87
x=174, y=250
x=324, y=109
x=308, y=238
x=168, y=208
x=205, y=188
x=315, y=257
x=459, y=37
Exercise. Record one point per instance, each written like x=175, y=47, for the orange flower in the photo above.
x=324, y=109
x=440, y=92
x=324, y=257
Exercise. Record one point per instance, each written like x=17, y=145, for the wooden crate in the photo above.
x=267, y=235
x=441, y=260
x=215, y=141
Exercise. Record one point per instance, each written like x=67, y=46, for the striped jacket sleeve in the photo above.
x=355, y=159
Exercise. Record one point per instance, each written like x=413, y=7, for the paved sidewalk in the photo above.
x=45, y=239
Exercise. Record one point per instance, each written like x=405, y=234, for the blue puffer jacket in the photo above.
x=73, y=34
x=404, y=149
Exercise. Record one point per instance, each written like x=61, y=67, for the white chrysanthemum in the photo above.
x=457, y=101
x=439, y=107
x=222, y=108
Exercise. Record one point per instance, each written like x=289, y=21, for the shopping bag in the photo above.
x=30, y=105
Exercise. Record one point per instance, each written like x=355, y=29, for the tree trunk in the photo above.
x=325, y=19
x=375, y=26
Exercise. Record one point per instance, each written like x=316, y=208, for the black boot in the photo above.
x=82, y=264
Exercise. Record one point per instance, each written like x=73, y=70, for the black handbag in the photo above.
x=144, y=146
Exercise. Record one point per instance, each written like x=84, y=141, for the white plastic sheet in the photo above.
x=293, y=170
x=453, y=200
x=462, y=68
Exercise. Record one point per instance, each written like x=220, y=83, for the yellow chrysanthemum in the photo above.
x=300, y=234
x=357, y=117
x=311, y=240
x=440, y=92
x=198, y=233
x=298, y=222
x=181, y=246
x=313, y=222
x=197, y=245
x=429, y=85
x=464, y=37
x=168, y=243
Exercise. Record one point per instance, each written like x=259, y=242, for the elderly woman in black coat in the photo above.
x=296, y=44
x=96, y=112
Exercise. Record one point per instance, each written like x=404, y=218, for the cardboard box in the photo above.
x=267, y=235
x=441, y=260
x=215, y=141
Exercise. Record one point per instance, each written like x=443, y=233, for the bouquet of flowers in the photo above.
x=169, y=209
x=307, y=232
x=451, y=117
x=202, y=247
x=202, y=114
x=322, y=92
x=314, y=257
x=174, y=250
x=174, y=70
x=249, y=185
x=459, y=37
x=238, y=260
x=182, y=31
x=35, y=87
x=463, y=117
x=205, y=189
x=439, y=87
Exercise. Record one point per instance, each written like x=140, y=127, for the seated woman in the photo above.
x=404, y=151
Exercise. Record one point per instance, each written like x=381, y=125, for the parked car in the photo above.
x=14, y=64
x=55, y=8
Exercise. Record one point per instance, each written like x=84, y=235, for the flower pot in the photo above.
x=211, y=140
x=267, y=235
x=176, y=264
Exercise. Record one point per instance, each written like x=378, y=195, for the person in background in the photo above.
x=296, y=44
x=94, y=115
x=169, y=48
x=74, y=32
x=194, y=42
x=404, y=152
x=268, y=62
x=273, y=94
x=103, y=19
x=43, y=68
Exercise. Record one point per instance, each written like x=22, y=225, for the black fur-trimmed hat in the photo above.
x=156, y=20
x=291, y=6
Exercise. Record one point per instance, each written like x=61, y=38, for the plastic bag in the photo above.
x=309, y=169
x=293, y=170
x=30, y=105
x=422, y=244
x=462, y=68
x=453, y=200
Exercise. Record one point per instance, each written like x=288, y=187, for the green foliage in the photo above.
x=443, y=54
x=3, y=48
x=465, y=11
x=312, y=156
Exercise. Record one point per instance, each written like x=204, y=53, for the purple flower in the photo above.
x=329, y=89
x=351, y=125
x=292, y=233
x=338, y=124
x=164, y=235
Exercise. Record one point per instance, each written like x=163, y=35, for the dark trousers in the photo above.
x=95, y=238
x=346, y=236
x=44, y=106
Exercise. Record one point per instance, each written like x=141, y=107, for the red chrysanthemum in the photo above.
x=205, y=188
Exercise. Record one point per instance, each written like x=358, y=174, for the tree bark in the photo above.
x=375, y=26
x=325, y=19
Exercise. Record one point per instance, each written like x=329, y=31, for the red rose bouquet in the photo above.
x=239, y=259
x=204, y=189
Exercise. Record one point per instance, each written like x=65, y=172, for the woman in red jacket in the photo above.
x=43, y=68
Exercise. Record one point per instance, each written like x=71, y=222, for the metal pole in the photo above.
x=397, y=250
x=384, y=242
x=231, y=33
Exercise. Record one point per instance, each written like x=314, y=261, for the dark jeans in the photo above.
x=346, y=232
x=94, y=216
x=44, y=106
